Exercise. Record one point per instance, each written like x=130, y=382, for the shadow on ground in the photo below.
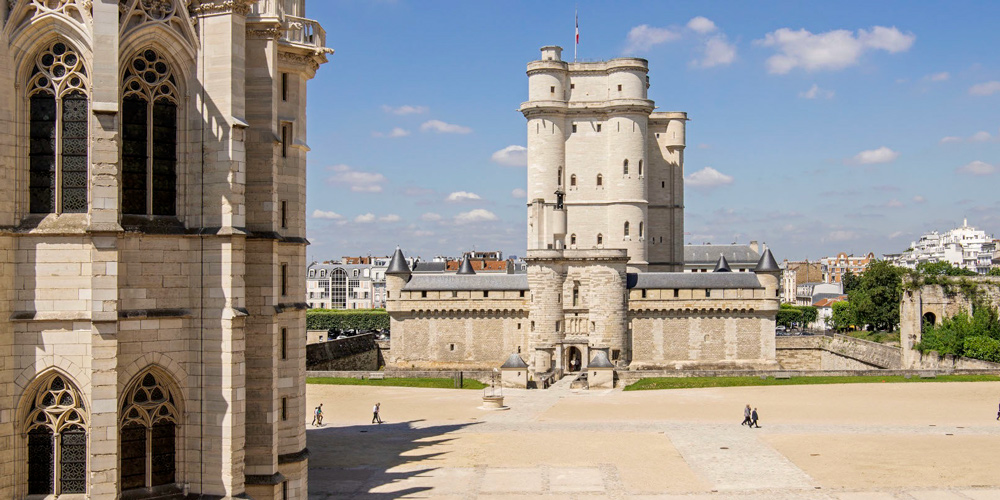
x=376, y=461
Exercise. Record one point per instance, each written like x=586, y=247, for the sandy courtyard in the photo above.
x=853, y=441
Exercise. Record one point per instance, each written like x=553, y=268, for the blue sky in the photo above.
x=816, y=127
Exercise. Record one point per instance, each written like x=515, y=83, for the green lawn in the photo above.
x=434, y=383
x=695, y=382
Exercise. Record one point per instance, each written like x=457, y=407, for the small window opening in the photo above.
x=284, y=490
x=600, y=180
x=619, y=88
x=663, y=184
x=576, y=296
x=598, y=127
x=454, y=294
x=640, y=167
x=486, y=293
x=708, y=292
x=557, y=326
x=284, y=279
x=625, y=167
x=640, y=230
x=552, y=89
x=284, y=409
x=600, y=239
x=522, y=294
x=284, y=343
x=643, y=294
x=572, y=86
x=677, y=293
x=626, y=229
x=518, y=327
x=284, y=214
x=615, y=354
x=572, y=239
x=284, y=86
x=532, y=326
x=559, y=177
x=423, y=294
x=451, y=347
x=574, y=128
x=285, y=136
x=572, y=180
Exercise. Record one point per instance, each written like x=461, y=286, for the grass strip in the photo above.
x=433, y=383
x=655, y=383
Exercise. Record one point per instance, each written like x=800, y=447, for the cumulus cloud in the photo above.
x=511, y=156
x=874, y=156
x=644, y=37
x=894, y=203
x=950, y=139
x=981, y=136
x=444, y=128
x=460, y=196
x=918, y=199
x=405, y=109
x=389, y=218
x=325, y=214
x=938, y=77
x=985, y=89
x=518, y=193
x=708, y=178
x=395, y=132
x=368, y=217
x=477, y=215
x=357, y=181
x=895, y=235
x=717, y=52
x=701, y=25
x=830, y=50
x=815, y=92
x=977, y=168
x=430, y=217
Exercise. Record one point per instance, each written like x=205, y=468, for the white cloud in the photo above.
x=984, y=89
x=444, y=128
x=894, y=203
x=405, y=110
x=815, y=92
x=396, y=132
x=324, y=214
x=938, y=77
x=518, y=193
x=717, y=52
x=950, y=138
x=368, y=217
x=895, y=235
x=707, y=178
x=704, y=146
x=644, y=37
x=831, y=50
x=977, y=168
x=841, y=236
x=873, y=156
x=701, y=25
x=511, y=156
x=477, y=215
x=357, y=181
x=981, y=136
x=918, y=199
x=430, y=217
x=389, y=218
x=460, y=196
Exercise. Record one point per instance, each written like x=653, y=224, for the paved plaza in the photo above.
x=917, y=441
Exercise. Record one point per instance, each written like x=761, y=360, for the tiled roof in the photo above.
x=514, y=361
x=467, y=282
x=693, y=280
x=709, y=254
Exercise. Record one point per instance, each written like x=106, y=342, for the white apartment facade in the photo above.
x=965, y=247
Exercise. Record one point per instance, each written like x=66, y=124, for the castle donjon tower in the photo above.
x=604, y=170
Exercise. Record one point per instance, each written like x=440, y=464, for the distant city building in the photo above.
x=795, y=272
x=834, y=268
x=965, y=247
x=703, y=258
x=824, y=311
x=342, y=286
x=806, y=294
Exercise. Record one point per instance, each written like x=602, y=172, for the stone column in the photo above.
x=105, y=231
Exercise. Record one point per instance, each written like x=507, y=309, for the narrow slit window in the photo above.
x=284, y=86
x=284, y=214
x=600, y=180
x=284, y=280
x=284, y=409
x=284, y=343
x=625, y=167
x=285, y=137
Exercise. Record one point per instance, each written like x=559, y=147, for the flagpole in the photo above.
x=576, y=44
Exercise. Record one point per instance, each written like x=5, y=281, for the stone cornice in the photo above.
x=208, y=7
x=264, y=33
x=310, y=61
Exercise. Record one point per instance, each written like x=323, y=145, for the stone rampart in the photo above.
x=626, y=377
x=480, y=375
x=838, y=352
x=360, y=352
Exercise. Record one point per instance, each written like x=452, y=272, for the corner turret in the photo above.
x=466, y=267
x=722, y=266
x=768, y=273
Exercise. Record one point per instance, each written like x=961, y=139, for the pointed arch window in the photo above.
x=148, y=432
x=572, y=180
x=56, y=428
x=58, y=131
x=572, y=239
x=600, y=239
x=149, y=136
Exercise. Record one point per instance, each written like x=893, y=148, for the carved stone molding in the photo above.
x=265, y=33
x=241, y=7
x=299, y=59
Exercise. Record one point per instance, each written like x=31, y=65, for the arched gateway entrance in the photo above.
x=574, y=359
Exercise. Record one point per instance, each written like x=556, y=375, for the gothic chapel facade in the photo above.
x=152, y=237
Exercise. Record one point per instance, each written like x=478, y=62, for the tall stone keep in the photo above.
x=604, y=170
x=152, y=247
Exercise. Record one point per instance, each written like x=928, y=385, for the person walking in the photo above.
x=318, y=416
x=375, y=417
x=998, y=413
x=746, y=415
x=753, y=419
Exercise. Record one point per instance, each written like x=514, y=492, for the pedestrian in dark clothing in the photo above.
x=746, y=416
x=998, y=413
x=753, y=419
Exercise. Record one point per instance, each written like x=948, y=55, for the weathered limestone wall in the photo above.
x=840, y=352
x=937, y=302
x=701, y=340
x=456, y=339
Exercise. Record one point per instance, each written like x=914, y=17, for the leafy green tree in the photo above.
x=942, y=268
x=787, y=316
x=842, y=317
x=343, y=319
x=849, y=280
x=809, y=314
x=994, y=272
x=974, y=335
x=875, y=300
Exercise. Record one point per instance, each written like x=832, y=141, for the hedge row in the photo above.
x=343, y=319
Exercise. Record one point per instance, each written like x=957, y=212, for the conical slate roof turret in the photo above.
x=398, y=264
x=466, y=267
x=514, y=361
x=600, y=361
x=767, y=264
x=722, y=266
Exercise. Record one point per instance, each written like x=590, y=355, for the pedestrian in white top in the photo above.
x=375, y=417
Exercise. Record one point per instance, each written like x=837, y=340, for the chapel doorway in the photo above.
x=573, y=359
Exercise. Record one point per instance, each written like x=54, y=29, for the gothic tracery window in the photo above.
x=149, y=136
x=58, y=124
x=148, y=434
x=56, y=428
